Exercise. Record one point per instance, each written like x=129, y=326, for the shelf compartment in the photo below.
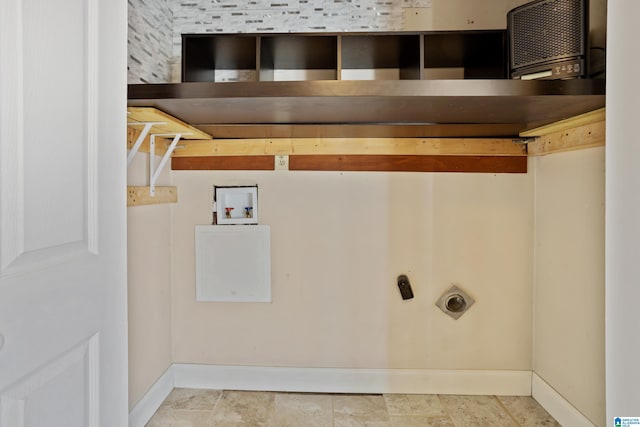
x=223, y=57
x=298, y=57
x=465, y=54
x=381, y=57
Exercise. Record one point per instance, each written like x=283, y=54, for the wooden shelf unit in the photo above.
x=333, y=56
x=402, y=101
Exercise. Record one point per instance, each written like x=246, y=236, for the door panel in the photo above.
x=32, y=402
x=62, y=213
x=55, y=138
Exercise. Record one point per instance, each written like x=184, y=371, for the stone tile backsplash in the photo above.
x=156, y=26
x=149, y=41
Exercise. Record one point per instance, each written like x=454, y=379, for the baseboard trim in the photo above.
x=338, y=380
x=556, y=405
x=151, y=401
x=330, y=380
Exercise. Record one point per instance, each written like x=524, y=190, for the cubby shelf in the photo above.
x=442, y=84
x=343, y=56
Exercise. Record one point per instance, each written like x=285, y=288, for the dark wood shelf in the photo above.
x=440, y=84
x=464, y=108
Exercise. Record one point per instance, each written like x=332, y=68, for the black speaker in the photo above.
x=548, y=39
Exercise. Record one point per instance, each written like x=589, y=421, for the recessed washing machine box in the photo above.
x=233, y=263
x=237, y=205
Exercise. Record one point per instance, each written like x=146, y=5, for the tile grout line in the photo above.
x=506, y=410
x=446, y=411
x=333, y=413
x=214, y=408
x=271, y=420
x=386, y=408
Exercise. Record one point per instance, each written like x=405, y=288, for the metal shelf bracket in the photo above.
x=154, y=172
x=141, y=137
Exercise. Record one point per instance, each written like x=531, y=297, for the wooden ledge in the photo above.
x=171, y=125
x=585, y=136
x=591, y=117
x=137, y=196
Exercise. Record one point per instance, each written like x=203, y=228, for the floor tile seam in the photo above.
x=210, y=422
x=271, y=417
x=215, y=406
x=386, y=408
x=333, y=411
x=507, y=411
x=427, y=414
x=172, y=412
x=446, y=411
x=421, y=416
x=189, y=410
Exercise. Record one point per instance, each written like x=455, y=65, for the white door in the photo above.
x=62, y=213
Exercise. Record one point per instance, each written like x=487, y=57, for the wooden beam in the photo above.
x=352, y=146
x=224, y=163
x=585, y=136
x=399, y=163
x=570, y=123
x=374, y=163
x=408, y=146
x=171, y=124
x=137, y=196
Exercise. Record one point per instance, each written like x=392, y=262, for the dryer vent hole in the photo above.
x=456, y=303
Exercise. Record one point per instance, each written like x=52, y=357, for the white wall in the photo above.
x=623, y=211
x=149, y=286
x=339, y=240
x=569, y=277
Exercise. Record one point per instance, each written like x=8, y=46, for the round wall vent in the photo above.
x=455, y=302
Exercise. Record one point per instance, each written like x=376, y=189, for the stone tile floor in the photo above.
x=209, y=408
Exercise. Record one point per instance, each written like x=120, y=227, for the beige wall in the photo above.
x=338, y=241
x=149, y=277
x=492, y=14
x=569, y=284
x=472, y=15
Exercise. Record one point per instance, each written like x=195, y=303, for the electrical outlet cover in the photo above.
x=282, y=163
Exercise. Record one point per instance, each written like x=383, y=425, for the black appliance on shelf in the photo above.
x=548, y=39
